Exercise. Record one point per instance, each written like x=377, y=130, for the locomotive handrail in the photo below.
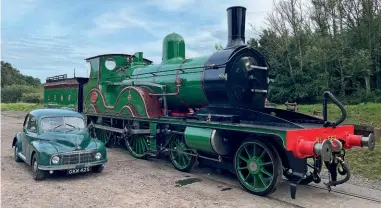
x=334, y=100
x=206, y=67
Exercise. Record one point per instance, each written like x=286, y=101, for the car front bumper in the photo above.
x=68, y=167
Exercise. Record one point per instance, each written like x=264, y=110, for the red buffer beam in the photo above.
x=323, y=141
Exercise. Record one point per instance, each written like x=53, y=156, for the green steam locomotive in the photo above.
x=210, y=110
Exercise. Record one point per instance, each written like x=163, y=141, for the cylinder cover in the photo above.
x=206, y=140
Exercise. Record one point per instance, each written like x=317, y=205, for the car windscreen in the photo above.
x=62, y=124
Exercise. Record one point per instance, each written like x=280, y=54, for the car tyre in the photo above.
x=98, y=168
x=17, y=157
x=38, y=175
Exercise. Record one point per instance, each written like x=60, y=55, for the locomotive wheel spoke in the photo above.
x=258, y=167
x=137, y=145
x=103, y=135
x=178, y=149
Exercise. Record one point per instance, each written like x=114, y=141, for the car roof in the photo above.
x=41, y=113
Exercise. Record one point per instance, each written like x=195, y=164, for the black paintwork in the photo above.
x=236, y=26
x=245, y=116
x=81, y=82
x=230, y=84
x=299, y=169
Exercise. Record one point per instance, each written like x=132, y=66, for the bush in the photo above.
x=33, y=97
x=13, y=93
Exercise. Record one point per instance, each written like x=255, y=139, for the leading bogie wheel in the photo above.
x=180, y=153
x=137, y=145
x=258, y=167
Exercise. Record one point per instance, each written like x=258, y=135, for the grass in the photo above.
x=20, y=107
x=361, y=160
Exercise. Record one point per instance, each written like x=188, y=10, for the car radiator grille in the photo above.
x=76, y=158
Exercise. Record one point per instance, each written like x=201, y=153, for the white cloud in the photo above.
x=201, y=24
x=111, y=22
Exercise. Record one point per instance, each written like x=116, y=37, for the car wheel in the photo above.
x=98, y=168
x=17, y=158
x=38, y=175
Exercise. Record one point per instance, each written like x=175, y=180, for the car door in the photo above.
x=30, y=135
x=24, y=144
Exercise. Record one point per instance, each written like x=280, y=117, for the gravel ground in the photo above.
x=129, y=182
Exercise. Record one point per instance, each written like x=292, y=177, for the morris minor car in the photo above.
x=58, y=140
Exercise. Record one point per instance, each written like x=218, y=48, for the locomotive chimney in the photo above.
x=236, y=26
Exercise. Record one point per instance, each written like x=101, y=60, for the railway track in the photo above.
x=347, y=194
x=204, y=176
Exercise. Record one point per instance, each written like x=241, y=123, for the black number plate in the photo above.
x=78, y=170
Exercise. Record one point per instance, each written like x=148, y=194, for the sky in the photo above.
x=45, y=38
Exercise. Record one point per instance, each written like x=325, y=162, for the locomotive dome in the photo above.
x=173, y=47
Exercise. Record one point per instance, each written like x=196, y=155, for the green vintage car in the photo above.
x=58, y=140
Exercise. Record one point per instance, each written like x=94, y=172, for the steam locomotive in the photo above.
x=208, y=110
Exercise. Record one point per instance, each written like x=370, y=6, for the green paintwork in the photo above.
x=254, y=167
x=59, y=98
x=173, y=47
x=199, y=139
x=48, y=144
x=137, y=145
x=178, y=156
x=112, y=82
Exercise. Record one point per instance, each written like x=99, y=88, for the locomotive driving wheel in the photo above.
x=258, y=167
x=102, y=134
x=178, y=153
x=137, y=144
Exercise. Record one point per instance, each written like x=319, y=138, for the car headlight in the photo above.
x=98, y=155
x=55, y=159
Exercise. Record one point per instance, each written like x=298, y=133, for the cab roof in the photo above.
x=117, y=54
x=41, y=113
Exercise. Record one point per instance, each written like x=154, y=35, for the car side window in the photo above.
x=32, y=124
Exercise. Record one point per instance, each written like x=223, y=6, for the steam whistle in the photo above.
x=360, y=141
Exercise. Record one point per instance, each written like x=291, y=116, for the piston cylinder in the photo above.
x=206, y=140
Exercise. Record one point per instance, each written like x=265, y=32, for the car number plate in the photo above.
x=79, y=170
